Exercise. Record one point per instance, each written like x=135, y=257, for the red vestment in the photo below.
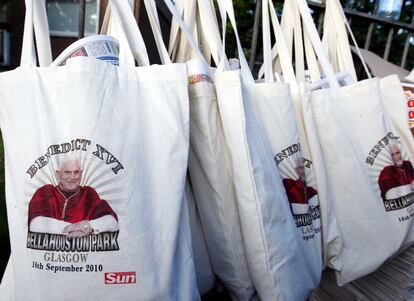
x=297, y=192
x=86, y=204
x=392, y=176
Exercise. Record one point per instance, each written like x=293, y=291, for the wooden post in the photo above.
x=405, y=52
x=407, y=43
x=137, y=9
x=369, y=35
x=81, y=27
x=320, y=22
x=388, y=45
x=371, y=28
x=255, y=34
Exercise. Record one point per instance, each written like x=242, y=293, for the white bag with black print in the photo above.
x=276, y=260
x=392, y=93
x=300, y=124
x=275, y=109
x=308, y=136
x=368, y=167
x=96, y=160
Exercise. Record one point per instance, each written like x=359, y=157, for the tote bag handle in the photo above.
x=41, y=27
x=342, y=45
x=123, y=19
x=110, y=27
x=151, y=9
x=280, y=46
x=226, y=9
x=303, y=45
x=291, y=30
x=313, y=35
x=178, y=48
x=336, y=39
x=174, y=38
x=125, y=28
x=211, y=32
x=36, y=18
x=185, y=30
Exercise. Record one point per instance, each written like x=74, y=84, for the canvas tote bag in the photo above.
x=393, y=278
x=204, y=272
x=300, y=90
x=269, y=232
x=131, y=188
x=7, y=287
x=299, y=95
x=275, y=110
x=41, y=28
x=295, y=139
x=361, y=145
x=336, y=42
x=202, y=263
x=393, y=98
x=210, y=170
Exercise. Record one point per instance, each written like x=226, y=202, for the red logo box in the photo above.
x=120, y=278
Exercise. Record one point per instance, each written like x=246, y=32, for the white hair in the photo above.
x=63, y=160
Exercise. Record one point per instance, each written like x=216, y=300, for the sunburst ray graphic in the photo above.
x=96, y=173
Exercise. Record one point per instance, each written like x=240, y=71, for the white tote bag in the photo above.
x=211, y=174
x=392, y=94
x=204, y=272
x=311, y=149
x=44, y=52
x=41, y=28
x=368, y=168
x=275, y=109
x=98, y=189
x=303, y=124
x=276, y=259
x=202, y=264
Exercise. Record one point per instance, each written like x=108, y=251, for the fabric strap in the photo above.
x=36, y=19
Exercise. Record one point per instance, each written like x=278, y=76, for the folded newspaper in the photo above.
x=102, y=47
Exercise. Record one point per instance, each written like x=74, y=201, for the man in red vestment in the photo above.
x=69, y=208
x=396, y=180
x=298, y=193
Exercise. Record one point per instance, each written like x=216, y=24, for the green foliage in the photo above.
x=244, y=11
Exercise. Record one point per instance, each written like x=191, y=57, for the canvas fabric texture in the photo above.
x=268, y=229
x=364, y=162
x=204, y=272
x=212, y=178
x=286, y=107
x=128, y=128
x=269, y=232
x=205, y=276
x=210, y=166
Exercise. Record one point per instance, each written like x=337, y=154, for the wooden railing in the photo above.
x=371, y=19
x=393, y=26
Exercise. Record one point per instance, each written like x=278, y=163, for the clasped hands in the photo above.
x=79, y=229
